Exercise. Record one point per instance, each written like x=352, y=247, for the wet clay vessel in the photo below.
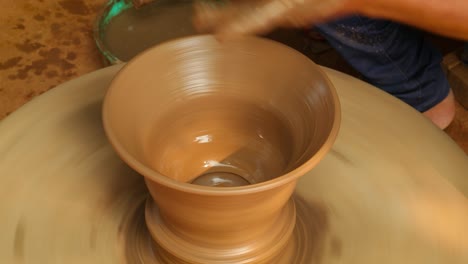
x=221, y=132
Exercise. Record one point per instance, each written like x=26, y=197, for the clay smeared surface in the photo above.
x=42, y=44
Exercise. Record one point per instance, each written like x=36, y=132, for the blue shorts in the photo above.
x=396, y=58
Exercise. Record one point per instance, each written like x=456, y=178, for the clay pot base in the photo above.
x=393, y=189
x=265, y=246
x=140, y=248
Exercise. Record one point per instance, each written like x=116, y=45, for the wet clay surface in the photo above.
x=350, y=209
x=42, y=44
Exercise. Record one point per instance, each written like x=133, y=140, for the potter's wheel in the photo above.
x=392, y=190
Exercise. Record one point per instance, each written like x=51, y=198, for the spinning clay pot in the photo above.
x=221, y=132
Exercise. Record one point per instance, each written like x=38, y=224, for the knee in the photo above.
x=443, y=113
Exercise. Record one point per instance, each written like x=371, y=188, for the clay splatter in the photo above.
x=55, y=28
x=20, y=234
x=37, y=36
x=51, y=74
x=71, y=56
x=39, y=17
x=340, y=156
x=19, y=27
x=10, y=63
x=29, y=95
x=75, y=7
x=50, y=57
x=76, y=41
x=28, y=46
x=336, y=247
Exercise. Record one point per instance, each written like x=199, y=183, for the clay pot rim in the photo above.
x=154, y=176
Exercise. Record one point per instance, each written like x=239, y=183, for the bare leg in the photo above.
x=443, y=113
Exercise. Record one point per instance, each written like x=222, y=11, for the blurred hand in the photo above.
x=243, y=17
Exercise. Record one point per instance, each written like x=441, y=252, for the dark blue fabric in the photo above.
x=394, y=57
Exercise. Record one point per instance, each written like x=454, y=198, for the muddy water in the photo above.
x=135, y=30
x=229, y=141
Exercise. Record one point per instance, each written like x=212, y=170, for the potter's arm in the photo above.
x=446, y=17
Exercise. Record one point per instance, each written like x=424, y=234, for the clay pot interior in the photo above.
x=228, y=114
